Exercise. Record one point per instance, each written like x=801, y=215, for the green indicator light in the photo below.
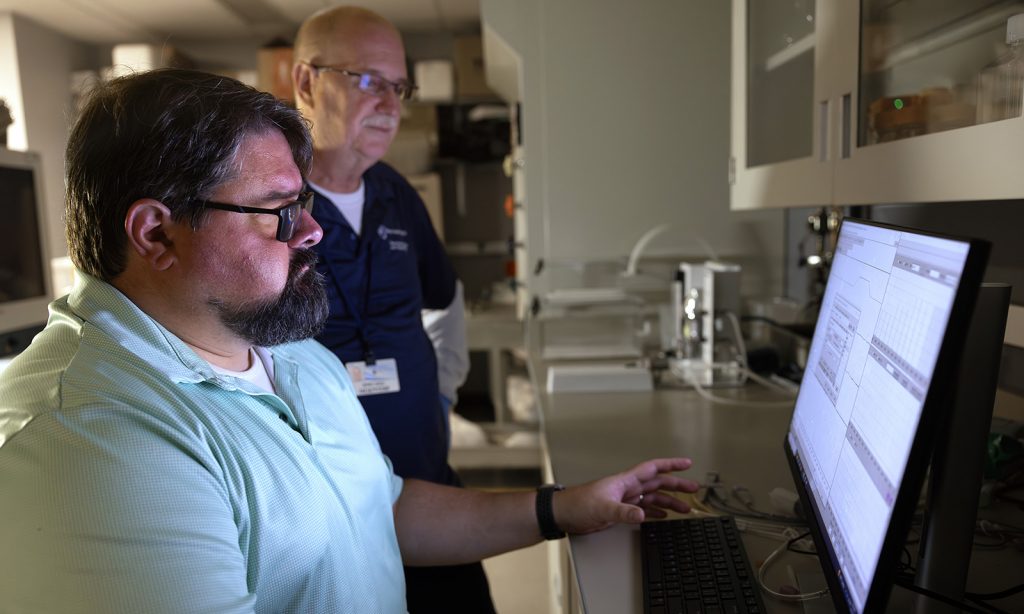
x=898, y=103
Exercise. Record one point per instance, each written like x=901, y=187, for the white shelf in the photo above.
x=972, y=26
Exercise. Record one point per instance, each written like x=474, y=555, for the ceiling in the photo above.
x=153, y=21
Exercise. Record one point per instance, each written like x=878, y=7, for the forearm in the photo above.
x=443, y=525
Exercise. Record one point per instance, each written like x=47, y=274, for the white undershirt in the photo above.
x=349, y=203
x=260, y=372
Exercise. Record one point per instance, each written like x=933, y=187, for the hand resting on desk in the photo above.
x=444, y=525
x=628, y=497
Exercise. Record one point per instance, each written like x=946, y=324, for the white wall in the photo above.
x=10, y=84
x=36, y=64
x=625, y=115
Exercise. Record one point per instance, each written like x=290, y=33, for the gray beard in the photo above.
x=299, y=313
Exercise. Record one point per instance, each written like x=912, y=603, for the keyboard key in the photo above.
x=696, y=565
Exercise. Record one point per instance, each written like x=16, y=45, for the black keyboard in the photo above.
x=697, y=565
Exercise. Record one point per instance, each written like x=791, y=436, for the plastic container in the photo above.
x=1001, y=83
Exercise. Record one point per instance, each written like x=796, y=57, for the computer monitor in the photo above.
x=877, y=387
x=24, y=270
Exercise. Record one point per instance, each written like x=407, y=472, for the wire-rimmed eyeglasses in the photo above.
x=373, y=84
x=288, y=215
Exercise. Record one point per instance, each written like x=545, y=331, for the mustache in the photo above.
x=302, y=258
x=298, y=313
x=386, y=122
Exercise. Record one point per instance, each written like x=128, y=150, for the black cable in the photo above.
x=790, y=548
x=987, y=607
x=910, y=586
x=1006, y=592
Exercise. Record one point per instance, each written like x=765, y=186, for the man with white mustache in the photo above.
x=383, y=263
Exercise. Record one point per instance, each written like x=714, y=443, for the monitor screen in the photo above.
x=21, y=270
x=24, y=270
x=876, y=387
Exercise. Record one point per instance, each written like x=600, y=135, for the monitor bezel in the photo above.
x=935, y=412
x=28, y=315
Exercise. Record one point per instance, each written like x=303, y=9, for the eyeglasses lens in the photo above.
x=377, y=86
x=290, y=215
x=286, y=221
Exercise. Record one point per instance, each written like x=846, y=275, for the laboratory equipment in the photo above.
x=709, y=348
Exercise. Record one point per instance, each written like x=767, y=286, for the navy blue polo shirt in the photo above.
x=377, y=283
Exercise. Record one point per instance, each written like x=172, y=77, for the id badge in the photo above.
x=378, y=378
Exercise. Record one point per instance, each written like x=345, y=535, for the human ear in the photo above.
x=302, y=84
x=150, y=229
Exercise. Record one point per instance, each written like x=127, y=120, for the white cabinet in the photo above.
x=845, y=103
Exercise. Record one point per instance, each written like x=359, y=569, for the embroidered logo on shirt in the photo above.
x=396, y=246
x=384, y=232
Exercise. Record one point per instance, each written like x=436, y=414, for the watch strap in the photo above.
x=549, y=529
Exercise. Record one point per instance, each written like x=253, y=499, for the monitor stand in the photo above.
x=959, y=457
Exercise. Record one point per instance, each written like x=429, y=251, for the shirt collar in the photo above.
x=99, y=304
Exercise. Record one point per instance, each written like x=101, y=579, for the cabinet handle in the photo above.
x=845, y=122
x=823, y=131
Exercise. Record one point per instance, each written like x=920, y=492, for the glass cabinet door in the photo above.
x=782, y=106
x=780, y=80
x=928, y=67
x=936, y=110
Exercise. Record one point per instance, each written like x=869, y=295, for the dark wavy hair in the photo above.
x=170, y=135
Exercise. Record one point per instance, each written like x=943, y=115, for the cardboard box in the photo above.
x=470, y=76
x=275, y=72
x=435, y=80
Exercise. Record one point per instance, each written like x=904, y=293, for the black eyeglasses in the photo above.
x=374, y=84
x=288, y=215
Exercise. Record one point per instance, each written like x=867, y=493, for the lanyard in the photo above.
x=359, y=316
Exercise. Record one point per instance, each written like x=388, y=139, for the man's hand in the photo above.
x=627, y=497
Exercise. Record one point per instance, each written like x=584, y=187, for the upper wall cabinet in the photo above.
x=877, y=101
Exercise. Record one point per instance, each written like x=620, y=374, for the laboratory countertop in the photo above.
x=589, y=435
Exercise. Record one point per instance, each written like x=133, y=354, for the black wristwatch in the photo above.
x=549, y=529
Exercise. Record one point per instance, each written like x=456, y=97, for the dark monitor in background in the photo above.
x=878, y=387
x=24, y=264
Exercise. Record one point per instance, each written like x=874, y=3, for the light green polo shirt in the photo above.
x=133, y=478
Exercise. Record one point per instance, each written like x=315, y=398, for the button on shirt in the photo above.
x=133, y=478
